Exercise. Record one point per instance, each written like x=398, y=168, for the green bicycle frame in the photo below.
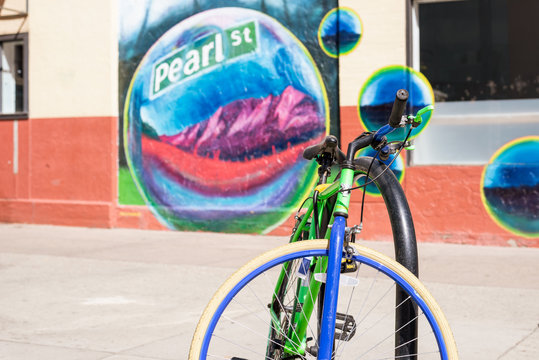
x=309, y=289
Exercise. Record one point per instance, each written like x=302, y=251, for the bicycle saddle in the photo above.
x=329, y=145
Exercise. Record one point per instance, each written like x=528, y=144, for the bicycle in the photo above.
x=303, y=291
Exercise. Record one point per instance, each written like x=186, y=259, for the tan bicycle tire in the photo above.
x=228, y=285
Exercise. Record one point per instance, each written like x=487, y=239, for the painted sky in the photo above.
x=383, y=85
x=348, y=22
x=516, y=165
x=280, y=61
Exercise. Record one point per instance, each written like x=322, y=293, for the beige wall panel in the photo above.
x=12, y=7
x=9, y=27
x=73, y=65
x=383, y=43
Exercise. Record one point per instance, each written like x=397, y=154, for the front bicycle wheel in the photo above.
x=247, y=319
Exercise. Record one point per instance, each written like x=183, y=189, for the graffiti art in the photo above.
x=510, y=187
x=340, y=31
x=378, y=94
x=216, y=117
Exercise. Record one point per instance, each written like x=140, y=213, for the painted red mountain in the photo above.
x=243, y=145
x=253, y=127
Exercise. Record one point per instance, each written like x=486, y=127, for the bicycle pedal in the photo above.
x=348, y=266
x=345, y=327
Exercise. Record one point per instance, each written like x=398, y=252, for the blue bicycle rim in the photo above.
x=324, y=252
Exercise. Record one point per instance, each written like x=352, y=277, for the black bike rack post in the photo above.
x=405, y=252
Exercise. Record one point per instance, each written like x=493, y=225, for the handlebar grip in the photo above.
x=327, y=145
x=398, y=108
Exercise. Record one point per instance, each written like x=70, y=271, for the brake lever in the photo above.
x=416, y=120
x=387, y=149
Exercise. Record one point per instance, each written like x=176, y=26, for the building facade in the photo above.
x=114, y=113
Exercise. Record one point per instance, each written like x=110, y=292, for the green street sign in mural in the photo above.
x=192, y=59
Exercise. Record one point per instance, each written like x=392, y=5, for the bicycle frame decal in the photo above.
x=219, y=110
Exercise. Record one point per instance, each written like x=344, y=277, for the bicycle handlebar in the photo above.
x=330, y=143
x=398, y=108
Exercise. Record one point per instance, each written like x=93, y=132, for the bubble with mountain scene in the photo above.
x=216, y=118
x=340, y=31
x=378, y=94
x=510, y=186
x=397, y=167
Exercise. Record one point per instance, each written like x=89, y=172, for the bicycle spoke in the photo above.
x=407, y=355
x=377, y=303
x=350, y=299
x=392, y=311
x=343, y=344
x=390, y=354
x=367, y=296
x=241, y=346
x=250, y=329
x=360, y=311
x=302, y=310
x=262, y=320
x=284, y=310
x=341, y=347
x=315, y=334
x=390, y=335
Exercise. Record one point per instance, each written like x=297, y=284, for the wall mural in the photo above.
x=219, y=98
x=510, y=187
x=376, y=101
x=218, y=104
x=378, y=94
x=344, y=22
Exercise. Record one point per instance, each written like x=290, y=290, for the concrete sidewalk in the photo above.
x=75, y=293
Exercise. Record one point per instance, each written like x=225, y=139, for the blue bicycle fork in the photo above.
x=329, y=312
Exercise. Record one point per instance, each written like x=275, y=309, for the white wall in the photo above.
x=73, y=58
x=383, y=43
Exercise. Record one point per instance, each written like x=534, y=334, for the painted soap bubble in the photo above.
x=343, y=22
x=378, y=94
x=216, y=118
x=397, y=167
x=510, y=186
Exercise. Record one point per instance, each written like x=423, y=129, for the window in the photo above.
x=481, y=59
x=14, y=76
